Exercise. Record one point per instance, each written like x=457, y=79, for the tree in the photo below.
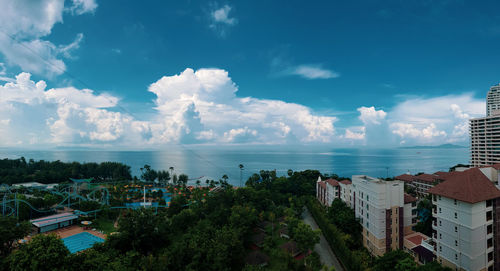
x=183, y=179
x=305, y=237
x=290, y=173
x=148, y=174
x=43, y=252
x=407, y=264
x=391, y=259
x=10, y=232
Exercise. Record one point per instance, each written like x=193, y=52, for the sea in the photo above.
x=212, y=162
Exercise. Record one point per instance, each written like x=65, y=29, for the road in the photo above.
x=323, y=249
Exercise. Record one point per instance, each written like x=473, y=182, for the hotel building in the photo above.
x=327, y=191
x=466, y=221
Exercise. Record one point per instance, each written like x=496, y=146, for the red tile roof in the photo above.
x=470, y=186
x=442, y=174
x=409, y=199
x=496, y=166
x=416, y=239
x=332, y=182
x=345, y=182
x=405, y=178
x=426, y=178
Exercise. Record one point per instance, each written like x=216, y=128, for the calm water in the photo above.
x=213, y=162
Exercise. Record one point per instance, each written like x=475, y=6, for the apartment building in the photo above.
x=345, y=192
x=422, y=182
x=493, y=101
x=466, y=221
x=379, y=205
x=327, y=191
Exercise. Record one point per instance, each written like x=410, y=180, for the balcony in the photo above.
x=489, y=216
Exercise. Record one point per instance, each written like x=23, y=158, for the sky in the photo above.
x=148, y=74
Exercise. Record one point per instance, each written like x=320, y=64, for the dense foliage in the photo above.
x=20, y=171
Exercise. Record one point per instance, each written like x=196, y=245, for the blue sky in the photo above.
x=150, y=73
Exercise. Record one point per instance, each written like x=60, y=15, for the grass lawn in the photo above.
x=105, y=225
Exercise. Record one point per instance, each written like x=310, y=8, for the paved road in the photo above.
x=323, y=249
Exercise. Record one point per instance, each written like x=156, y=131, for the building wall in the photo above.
x=484, y=139
x=410, y=216
x=345, y=193
x=377, y=204
x=461, y=233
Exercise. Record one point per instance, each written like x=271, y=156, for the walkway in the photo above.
x=322, y=248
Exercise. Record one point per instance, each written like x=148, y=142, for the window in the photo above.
x=456, y=215
x=439, y=197
x=367, y=224
x=455, y=202
x=367, y=216
x=440, y=236
x=456, y=243
x=439, y=222
x=367, y=198
x=367, y=207
x=439, y=209
x=490, y=256
x=490, y=228
x=488, y=203
x=489, y=215
x=490, y=243
x=456, y=229
x=456, y=256
x=440, y=250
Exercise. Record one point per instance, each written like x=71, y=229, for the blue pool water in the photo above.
x=81, y=241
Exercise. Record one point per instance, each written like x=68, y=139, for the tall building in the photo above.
x=485, y=132
x=380, y=207
x=493, y=101
x=466, y=221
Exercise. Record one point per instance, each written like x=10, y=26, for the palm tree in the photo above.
x=241, y=173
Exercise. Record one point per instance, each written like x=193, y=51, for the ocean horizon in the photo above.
x=213, y=162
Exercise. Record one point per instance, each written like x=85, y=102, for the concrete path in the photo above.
x=322, y=248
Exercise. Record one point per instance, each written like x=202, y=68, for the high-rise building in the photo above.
x=485, y=132
x=380, y=207
x=493, y=101
x=466, y=221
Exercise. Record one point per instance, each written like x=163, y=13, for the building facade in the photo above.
x=327, y=191
x=379, y=205
x=493, y=101
x=345, y=192
x=465, y=221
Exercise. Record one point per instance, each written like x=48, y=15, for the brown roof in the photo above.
x=345, y=182
x=256, y=258
x=496, y=166
x=405, y=178
x=470, y=186
x=426, y=178
x=409, y=198
x=332, y=182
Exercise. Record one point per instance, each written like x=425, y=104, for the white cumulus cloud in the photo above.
x=26, y=23
x=312, y=71
x=369, y=115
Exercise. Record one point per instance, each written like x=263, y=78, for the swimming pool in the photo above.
x=81, y=241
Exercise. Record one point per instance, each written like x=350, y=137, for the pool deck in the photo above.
x=72, y=230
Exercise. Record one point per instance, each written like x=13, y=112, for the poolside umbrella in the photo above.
x=86, y=223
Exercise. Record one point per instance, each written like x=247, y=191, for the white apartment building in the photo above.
x=345, y=192
x=327, y=191
x=379, y=205
x=465, y=221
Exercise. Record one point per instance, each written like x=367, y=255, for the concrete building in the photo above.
x=466, y=221
x=493, y=101
x=410, y=214
x=345, y=192
x=423, y=182
x=485, y=132
x=327, y=191
x=379, y=205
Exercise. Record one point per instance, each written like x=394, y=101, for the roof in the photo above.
x=53, y=219
x=332, y=182
x=442, y=174
x=409, y=198
x=427, y=178
x=416, y=239
x=496, y=166
x=291, y=247
x=470, y=186
x=28, y=184
x=404, y=177
x=345, y=182
x=322, y=184
x=256, y=258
